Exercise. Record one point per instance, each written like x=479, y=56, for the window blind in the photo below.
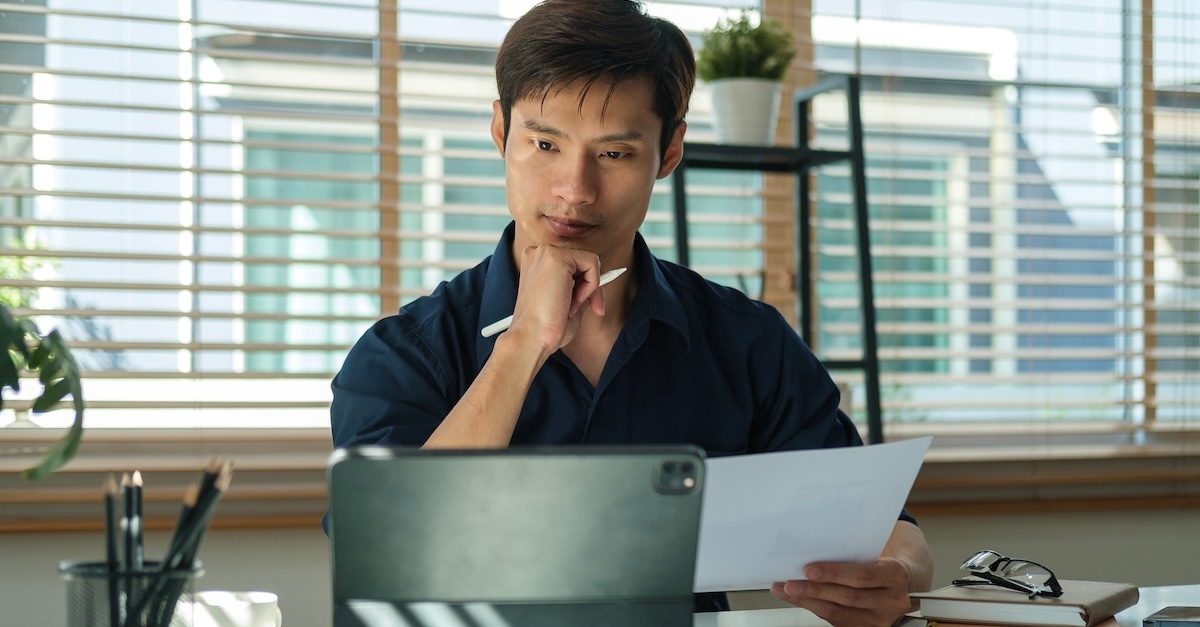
x=213, y=199
x=1032, y=181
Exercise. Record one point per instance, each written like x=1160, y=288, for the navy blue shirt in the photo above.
x=696, y=363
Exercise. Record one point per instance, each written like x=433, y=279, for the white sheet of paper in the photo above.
x=766, y=516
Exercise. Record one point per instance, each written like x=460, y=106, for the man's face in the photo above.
x=579, y=179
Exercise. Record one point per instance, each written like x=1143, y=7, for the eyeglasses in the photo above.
x=1025, y=576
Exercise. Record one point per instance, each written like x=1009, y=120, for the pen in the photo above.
x=502, y=325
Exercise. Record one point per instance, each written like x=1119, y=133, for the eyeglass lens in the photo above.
x=1025, y=571
x=1018, y=570
x=982, y=560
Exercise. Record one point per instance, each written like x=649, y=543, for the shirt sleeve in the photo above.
x=799, y=401
x=391, y=389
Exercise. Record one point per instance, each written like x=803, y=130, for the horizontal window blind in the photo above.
x=1032, y=174
x=213, y=199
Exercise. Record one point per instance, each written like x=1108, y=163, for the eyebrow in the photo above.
x=538, y=127
x=630, y=136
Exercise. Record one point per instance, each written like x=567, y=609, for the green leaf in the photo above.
x=62, y=452
x=739, y=49
x=38, y=357
x=22, y=346
x=9, y=376
x=50, y=397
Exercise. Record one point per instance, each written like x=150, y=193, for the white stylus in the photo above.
x=502, y=325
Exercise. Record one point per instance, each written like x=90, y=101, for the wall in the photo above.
x=1157, y=547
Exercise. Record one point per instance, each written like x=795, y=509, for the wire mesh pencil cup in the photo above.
x=97, y=597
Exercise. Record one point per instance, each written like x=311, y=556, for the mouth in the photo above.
x=566, y=227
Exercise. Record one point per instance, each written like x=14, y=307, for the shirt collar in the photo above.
x=656, y=298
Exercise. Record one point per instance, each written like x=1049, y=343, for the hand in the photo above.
x=851, y=595
x=556, y=286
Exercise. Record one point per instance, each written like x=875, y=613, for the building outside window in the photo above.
x=198, y=195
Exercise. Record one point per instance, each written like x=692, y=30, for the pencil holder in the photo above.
x=97, y=597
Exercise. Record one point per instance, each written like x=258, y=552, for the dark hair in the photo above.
x=561, y=41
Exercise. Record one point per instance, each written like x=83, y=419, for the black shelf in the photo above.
x=800, y=160
x=758, y=158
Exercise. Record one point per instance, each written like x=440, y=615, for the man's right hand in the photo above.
x=557, y=285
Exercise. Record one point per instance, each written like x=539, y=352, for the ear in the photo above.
x=674, y=152
x=498, y=127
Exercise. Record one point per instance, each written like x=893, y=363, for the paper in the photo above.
x=766, y=516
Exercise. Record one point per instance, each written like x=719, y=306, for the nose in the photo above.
x=575, y=181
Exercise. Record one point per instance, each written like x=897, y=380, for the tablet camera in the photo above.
x=677, y=477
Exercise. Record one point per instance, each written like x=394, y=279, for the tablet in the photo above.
x=522, y=536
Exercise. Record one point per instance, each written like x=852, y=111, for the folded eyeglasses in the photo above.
x=994, y=569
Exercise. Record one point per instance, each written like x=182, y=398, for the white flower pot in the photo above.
x=745, y=110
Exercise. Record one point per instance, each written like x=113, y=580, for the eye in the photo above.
x=543, y=145
x=613, y=154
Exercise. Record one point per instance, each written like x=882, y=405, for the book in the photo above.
x=1083, y=604
x=1174, y=616
x=1111, y=621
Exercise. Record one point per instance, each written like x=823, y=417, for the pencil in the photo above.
x=159, y=611
x=203, y=514
x=136, y=523
x=502, y=325
x=126, y=517
x=181, y=556
x=190, y=496
x=110, y=549
x=127, y=543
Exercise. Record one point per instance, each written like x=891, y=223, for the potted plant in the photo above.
x=24, y=348
x=743, y=64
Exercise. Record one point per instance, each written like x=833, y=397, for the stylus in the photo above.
x=502, y=325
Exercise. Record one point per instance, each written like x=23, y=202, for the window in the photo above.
x=202, y=201
x=213, y=199
x=1028, y=270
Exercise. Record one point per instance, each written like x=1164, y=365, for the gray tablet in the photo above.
x=557, y=536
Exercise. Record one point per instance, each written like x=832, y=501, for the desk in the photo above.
x=1151, y=600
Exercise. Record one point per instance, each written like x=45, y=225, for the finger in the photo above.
x=892, y=601
x=830, y=592
x=587, y=281
x=587, y=278
x=833, y=613
x=597, y=302
x=878, y=574
x=527, y=256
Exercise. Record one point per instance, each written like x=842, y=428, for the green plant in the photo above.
x=736, y=48
x=23, y=347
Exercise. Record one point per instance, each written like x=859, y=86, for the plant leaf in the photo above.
x=735, y=48
x=50, y=397
x=63, y=450
x=38, y=356
x=63, y=360
x=59, y=374
x=9, y=377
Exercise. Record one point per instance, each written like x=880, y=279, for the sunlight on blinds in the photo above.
x=1034, y=208
x=212, y=199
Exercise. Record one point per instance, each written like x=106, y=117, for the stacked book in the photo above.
x=1083, y=604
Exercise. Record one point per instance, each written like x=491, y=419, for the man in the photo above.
x=592, y=99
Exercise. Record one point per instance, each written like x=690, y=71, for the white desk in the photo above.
x=1150, y=600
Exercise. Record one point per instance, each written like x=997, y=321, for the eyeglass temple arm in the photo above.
x=989, y=579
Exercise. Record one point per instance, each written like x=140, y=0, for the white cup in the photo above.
x=223, y=608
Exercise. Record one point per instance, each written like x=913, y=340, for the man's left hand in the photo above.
x=851, y=595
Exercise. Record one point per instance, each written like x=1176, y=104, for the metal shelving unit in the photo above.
x=799, y=161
